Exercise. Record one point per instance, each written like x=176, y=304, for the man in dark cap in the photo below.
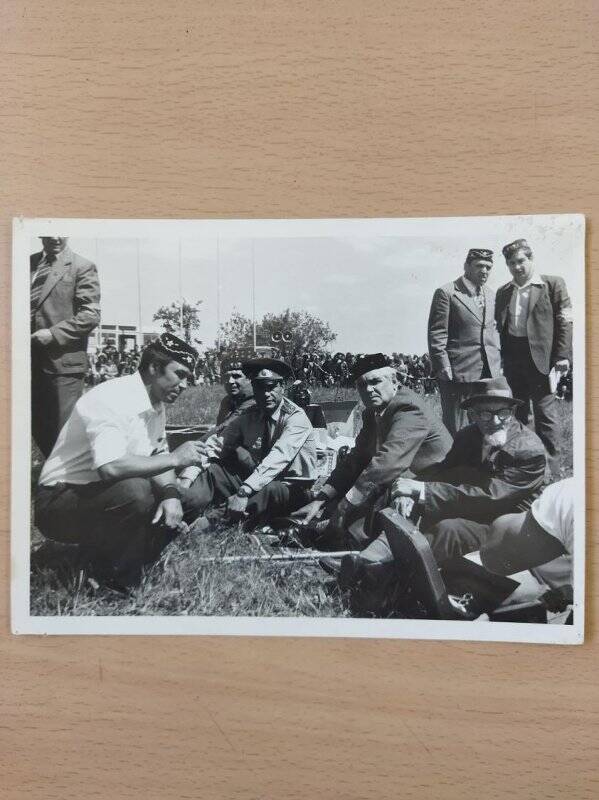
x=462, y=337
x=534, y=317
x=109, y=484
x=399, y=435
x=65, y=309
x=280, y=440
x=496, y=466
x=238, y=387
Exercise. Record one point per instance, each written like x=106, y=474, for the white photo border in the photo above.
x=23, y=622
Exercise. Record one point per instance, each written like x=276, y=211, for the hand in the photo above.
x=339, y=517
x=563, y=366
x=171, y=513
x=558, y=599
x=404, y=506
x=42, y=337
x=307, y=513
x=406, y=487
x=236, y=506
x=184, y=483
x=190, y=454
x=214, y=446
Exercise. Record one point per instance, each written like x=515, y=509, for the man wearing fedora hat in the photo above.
x=399, y=434
x=280, y=441
x=462, y=336
x=496, y=466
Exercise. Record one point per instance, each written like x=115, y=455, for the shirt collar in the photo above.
x=276, y=414
x=135, y=396
x=534, y=280
x=472, y=289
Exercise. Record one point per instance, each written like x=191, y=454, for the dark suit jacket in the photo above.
x=462, y=486
x=408, y=437
x=549, y=325
x=69, y=306
x=460, y=334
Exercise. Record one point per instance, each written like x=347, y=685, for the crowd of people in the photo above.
x=473, y=502
x=109, y=362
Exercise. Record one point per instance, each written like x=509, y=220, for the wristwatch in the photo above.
x=244, y=491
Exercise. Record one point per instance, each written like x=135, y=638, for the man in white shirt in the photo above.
x=109, y=483
x=540, y=540
x=534, y=318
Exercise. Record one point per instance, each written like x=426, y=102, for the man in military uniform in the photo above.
x=278, y=437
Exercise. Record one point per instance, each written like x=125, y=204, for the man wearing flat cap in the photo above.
x=281, y=442
x=109, y=485
x=496, y=466
x=399, y=435
x=534, y=317
x=463, y=341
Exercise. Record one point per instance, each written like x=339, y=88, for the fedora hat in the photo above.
x=492, y=392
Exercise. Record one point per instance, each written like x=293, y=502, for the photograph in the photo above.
x=334, y=427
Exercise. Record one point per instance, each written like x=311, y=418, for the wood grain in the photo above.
x=306, y=109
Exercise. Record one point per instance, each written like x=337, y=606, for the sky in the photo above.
x=374, y=291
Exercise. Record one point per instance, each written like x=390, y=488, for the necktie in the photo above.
x=265, y=447
x=38, y=282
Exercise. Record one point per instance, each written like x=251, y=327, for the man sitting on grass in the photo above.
x=281, y=443
x=400, y=434
x=109, y=484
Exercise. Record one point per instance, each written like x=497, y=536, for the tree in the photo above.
x=307, y=332
x=236, y=333
x=170, y=317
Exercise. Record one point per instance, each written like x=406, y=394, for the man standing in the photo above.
x=399, y=433
x=280, y=444
x=65, y=309
x=462, y=336
x=534, y=317
x=109, y=484
x=496, y=466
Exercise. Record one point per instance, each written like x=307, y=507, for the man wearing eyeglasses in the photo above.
x=496, y=466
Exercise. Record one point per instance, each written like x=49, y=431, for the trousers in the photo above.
x=112, y=521
x=220, y=481
x=532, y=386
x=53, y=397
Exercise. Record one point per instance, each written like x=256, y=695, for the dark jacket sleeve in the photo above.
x=438, y=331
x=562, y=329
x=86, y=307
x=408, y=429
x=492, y=496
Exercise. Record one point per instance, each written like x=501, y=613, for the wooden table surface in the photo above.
x=306, y=109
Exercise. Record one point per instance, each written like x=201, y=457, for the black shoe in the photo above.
x=331, y=565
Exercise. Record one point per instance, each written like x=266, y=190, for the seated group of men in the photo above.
x=111, y=485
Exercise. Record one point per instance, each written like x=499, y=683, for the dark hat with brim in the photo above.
x=267, y=369
x=494, y=393
x=178, y=350
x=367, y=363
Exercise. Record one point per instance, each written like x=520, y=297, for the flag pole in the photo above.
x=253, y=294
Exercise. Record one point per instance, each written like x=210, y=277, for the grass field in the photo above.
x=182, y=584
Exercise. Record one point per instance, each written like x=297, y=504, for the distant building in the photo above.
x=123, y=337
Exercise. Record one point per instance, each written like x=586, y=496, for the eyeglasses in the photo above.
x=487, y=416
